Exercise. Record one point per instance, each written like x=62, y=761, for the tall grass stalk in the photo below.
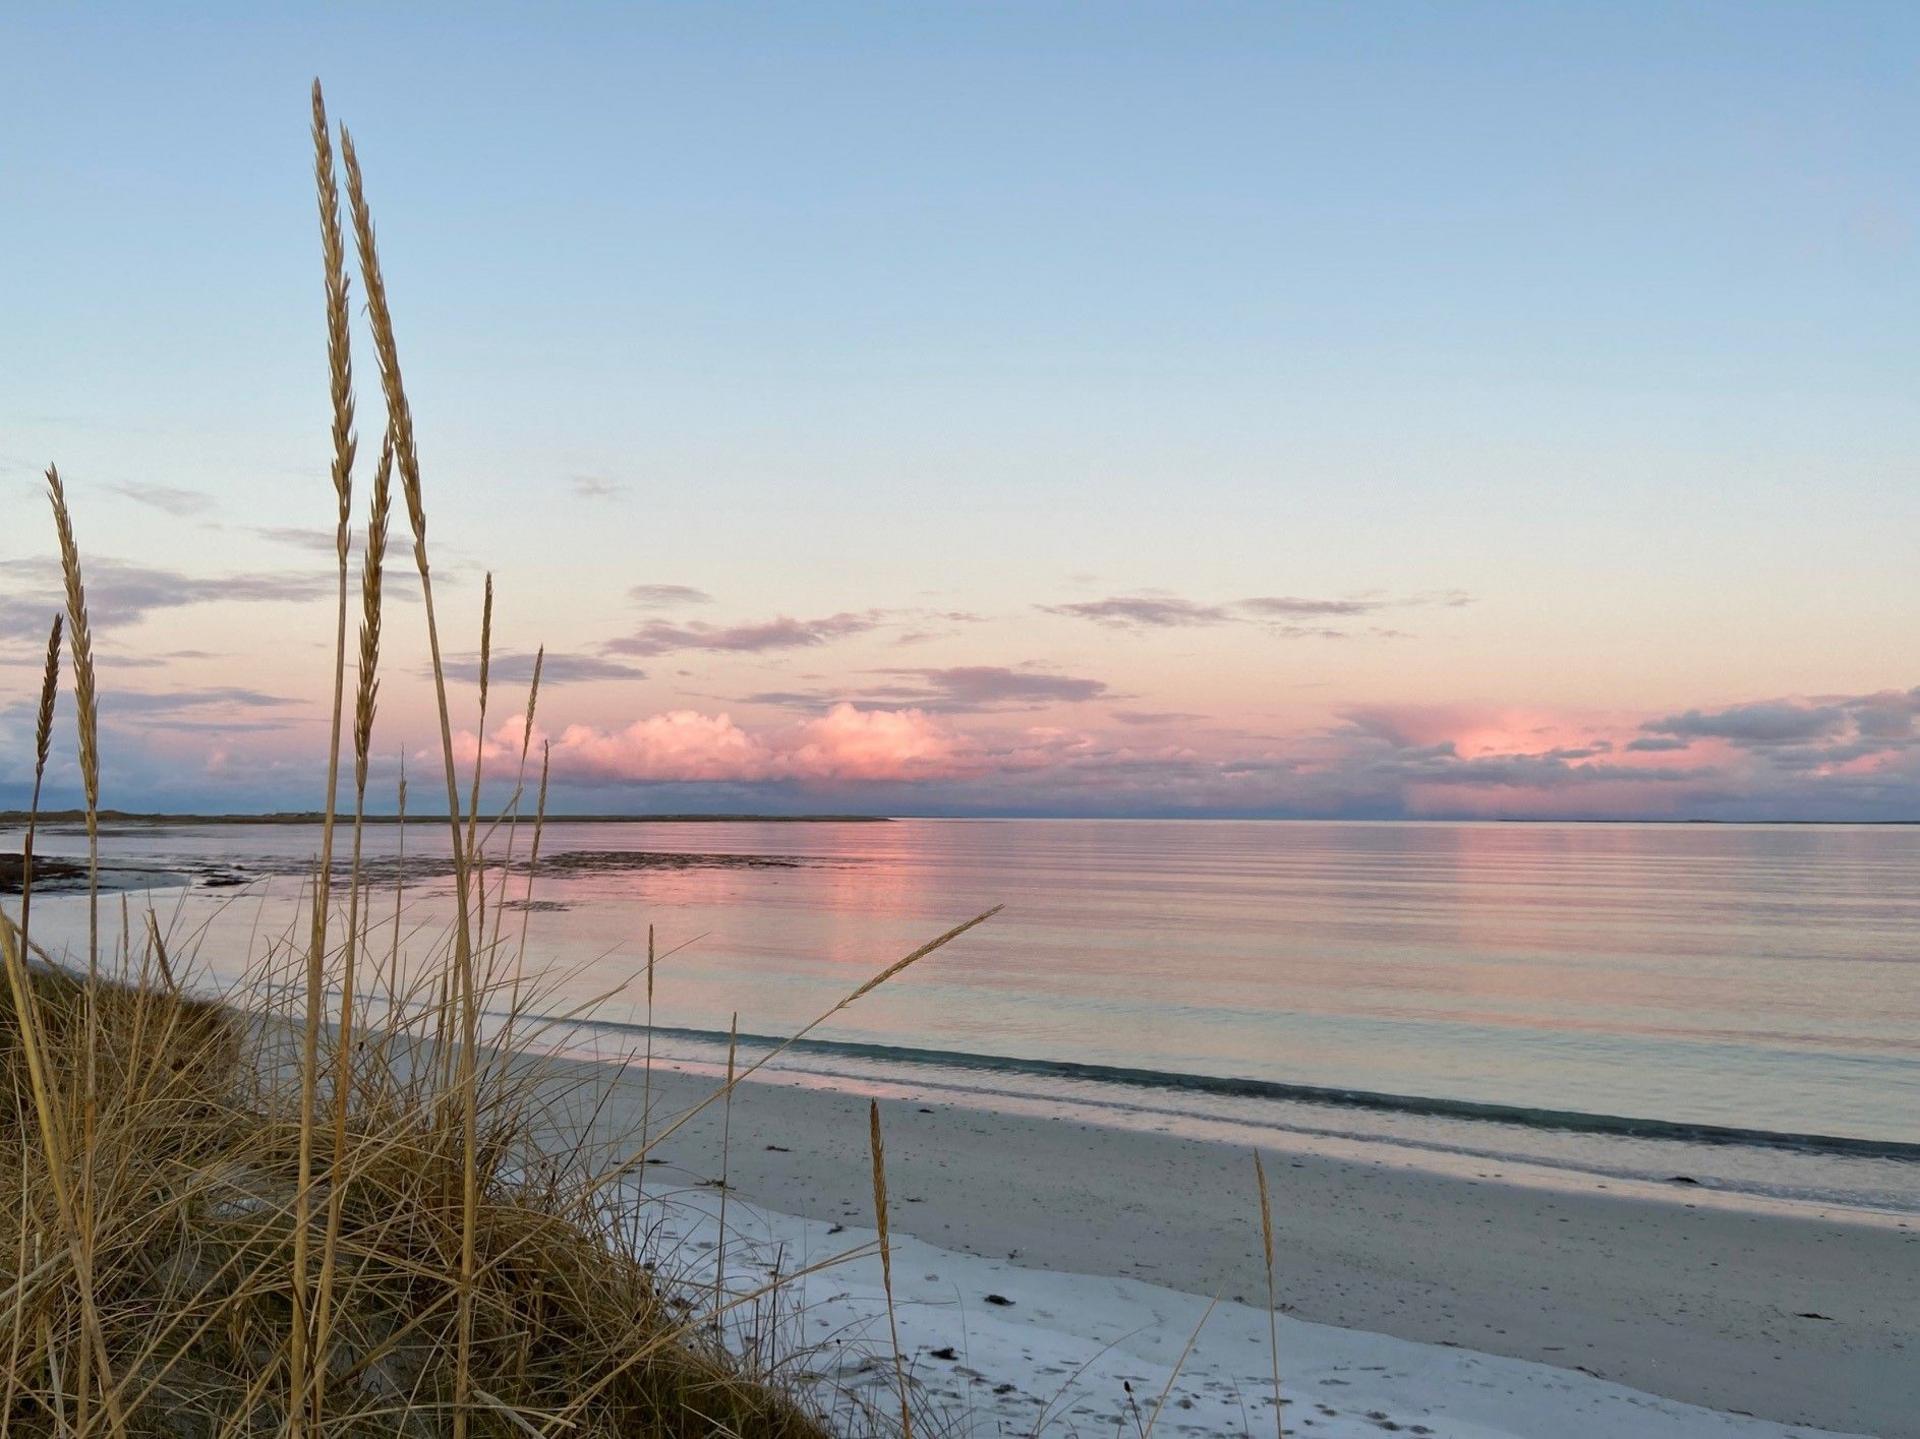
x=366, y=703
x=87, y=724
x=85, y=702
x=1273, y=1308
x=878, y=1149
x=169, y=1153
x=15, y=962
x=726, y=1154
x=479, y=756
x=340, y=392
x=42, y=746
x=1173, y=1375
x=519, y=790
x=407, y=456
x=619, y=1171
x=646, y=1081
x=399, y=882
x=533, y=857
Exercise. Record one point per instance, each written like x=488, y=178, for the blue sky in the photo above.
x=1571, y=343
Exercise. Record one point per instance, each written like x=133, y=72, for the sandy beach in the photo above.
x=1797, y=1317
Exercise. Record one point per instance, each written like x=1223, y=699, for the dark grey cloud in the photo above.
x=1767, y=722
x=1591, y=750
x=120, y=593
x=1378, y=749
x=959, y=689
x=980, y=687
x=1534, y=771
x=158, y=702
x=789, y=699
x=516, y=667
x=211, y=709
x=165, y=498
x=110, y=659
x=1292, y=606
x=1150, y=611
x=595, y=487
x=1296, y=607
x=659, y=637
x=936, y=624
x=1656, y=744
x=1155, y=609
x=1888, y=716
x=666, y=597
x=305, y=537
x=1810, y=738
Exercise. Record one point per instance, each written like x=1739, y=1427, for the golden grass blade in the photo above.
x=407, y=457
x=333, y=253
x=726, y=1150
x=506, y=1412
x=646, y=1082
x=609, y=1176
x=87, y=718
x=479, y=756
x=399, y=879
x=340, y=392
x=636, y=1348
x=407, y=460
x=1273, y=1322
x=1179, y=1364
x=75, y=1220
x=480, y=748
x=46, y=1099
x=878, y=1149
x=519, y=787
x=533, y=858
x=158, y=948
x=42, y=744
x=85, y=701
x=366, y=701
x=25, y=1003
x=372, y=574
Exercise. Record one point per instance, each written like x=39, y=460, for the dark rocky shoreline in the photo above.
x=48, y=872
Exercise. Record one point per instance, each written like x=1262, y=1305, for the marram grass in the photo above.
x=315, y=1207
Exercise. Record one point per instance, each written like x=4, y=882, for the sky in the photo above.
x=1389, y=410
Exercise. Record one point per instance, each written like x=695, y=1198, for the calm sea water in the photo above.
x=1614, y=997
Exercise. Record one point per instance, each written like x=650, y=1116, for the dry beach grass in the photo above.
x=319, y=1206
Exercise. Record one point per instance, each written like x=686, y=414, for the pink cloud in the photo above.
x=845, y=744
x=1417, y=760
x=848, y=743
x=677, y=745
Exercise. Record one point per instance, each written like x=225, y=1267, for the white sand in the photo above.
x=1091, y=1355
x=1109, y=1237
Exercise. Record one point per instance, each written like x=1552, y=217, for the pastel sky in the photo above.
x=1268, y=409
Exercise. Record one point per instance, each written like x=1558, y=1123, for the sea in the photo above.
x=1732, y=1009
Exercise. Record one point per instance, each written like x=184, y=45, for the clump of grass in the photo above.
x=311, y=1207
x=192, y=1255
